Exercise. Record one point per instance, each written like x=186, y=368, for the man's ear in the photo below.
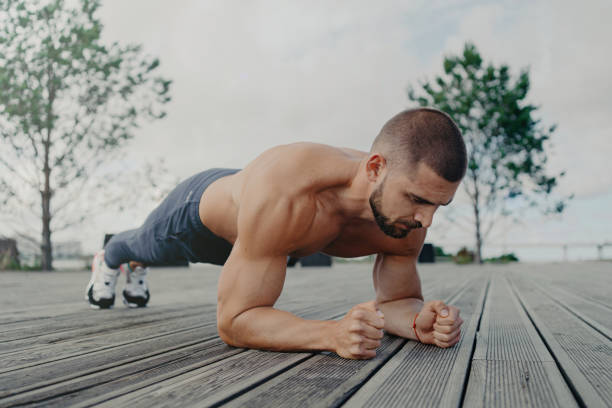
x=374, y=166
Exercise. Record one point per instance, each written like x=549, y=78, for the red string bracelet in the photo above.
x=414, y=327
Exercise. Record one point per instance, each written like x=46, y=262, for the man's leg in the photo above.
x=154, y=243
x=119, y=254
x=172, y=233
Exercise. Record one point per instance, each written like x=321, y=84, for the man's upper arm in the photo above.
x=396, y=276
x=269, y=220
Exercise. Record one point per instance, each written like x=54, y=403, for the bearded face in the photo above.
x=384, y=223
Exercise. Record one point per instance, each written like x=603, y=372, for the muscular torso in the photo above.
x=320, y=175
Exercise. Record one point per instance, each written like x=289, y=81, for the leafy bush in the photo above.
x=464, y=256
x=504, y=258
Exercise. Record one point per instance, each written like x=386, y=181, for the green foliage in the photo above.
x=58, y=77
x=505, y=142
x=7, y=262
x=439, y=251
x=504, y=258
x=67, y=100
x=464, y=256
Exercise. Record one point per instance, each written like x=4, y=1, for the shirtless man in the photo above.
x=295, y=200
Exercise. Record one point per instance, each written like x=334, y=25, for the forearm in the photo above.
x=399, y=315
x=272, y=329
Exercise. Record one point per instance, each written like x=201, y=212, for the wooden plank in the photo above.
x=103, y=339
x=133, y=373
x=241, y=363
x=424, y=375
x=583, y=353
x=69, y=390
x=71, y=361
x=578, y=276
x=516, y=384
x=250, y=368
x=324, y=380
x=594, y=314
x=93, y=324
x=203, y=383
x=97, y=343
x=56, y=371
x=511, y=366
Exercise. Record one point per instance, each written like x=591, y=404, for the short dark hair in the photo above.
x=425, y=135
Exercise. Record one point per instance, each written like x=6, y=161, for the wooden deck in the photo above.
x=534, y=335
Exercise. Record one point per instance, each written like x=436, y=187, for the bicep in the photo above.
x=247, y=281
x=269, y=223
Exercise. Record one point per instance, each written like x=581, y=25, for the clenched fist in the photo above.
x=439, y=324
x=358, y=334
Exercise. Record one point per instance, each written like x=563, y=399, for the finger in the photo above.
x=372, y=305
x=361, y=353
x=437, y=307
x=373, y=319
x=455, y=340
x=446, y=344
x=453, y=337
x=451, y=316
x=434, y=306
x=446, y=337
x=448, y=328
x=370, y=344
x=368, y=354
x=371, y=332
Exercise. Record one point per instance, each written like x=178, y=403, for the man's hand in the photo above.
x=439, y=324
x=358, y=334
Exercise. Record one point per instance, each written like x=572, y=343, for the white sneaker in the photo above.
x=136, y=293
x=100, y=291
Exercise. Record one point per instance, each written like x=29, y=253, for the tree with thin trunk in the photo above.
x=68, y=102
x=506, y=144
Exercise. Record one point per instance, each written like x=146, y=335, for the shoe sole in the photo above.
x=104, y=303
x=135, y=301
x=132, y=305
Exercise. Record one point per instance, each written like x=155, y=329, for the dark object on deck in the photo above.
x=107, y=238
x=9, y=255
x=427, y=254
x=318, y=259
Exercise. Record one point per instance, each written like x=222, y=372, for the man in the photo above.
x=295, y=200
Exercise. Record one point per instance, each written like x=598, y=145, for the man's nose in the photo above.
x=424, y=216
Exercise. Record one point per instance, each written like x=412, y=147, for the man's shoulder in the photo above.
x=301, y=167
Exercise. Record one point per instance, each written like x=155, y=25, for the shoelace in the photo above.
x=137, y=283
x=107, y=278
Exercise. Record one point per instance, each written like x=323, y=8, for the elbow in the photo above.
x=226, y=329
x=226, y=335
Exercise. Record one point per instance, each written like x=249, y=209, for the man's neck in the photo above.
x=353, y=199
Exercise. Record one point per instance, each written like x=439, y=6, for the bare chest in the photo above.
x=336, y=237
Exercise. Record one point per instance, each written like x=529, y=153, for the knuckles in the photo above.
x=358, y=314
x=356, y=327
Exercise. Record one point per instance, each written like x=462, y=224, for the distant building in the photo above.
x=67, y=250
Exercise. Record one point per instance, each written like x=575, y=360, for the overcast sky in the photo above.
x=249, y=75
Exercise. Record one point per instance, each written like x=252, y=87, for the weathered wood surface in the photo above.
x=534, y=335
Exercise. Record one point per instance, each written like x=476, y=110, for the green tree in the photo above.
x=67, y=100
x=505, y=142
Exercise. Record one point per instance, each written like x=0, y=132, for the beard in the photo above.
x=383, y=222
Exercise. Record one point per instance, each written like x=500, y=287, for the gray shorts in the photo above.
x=173, y=232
